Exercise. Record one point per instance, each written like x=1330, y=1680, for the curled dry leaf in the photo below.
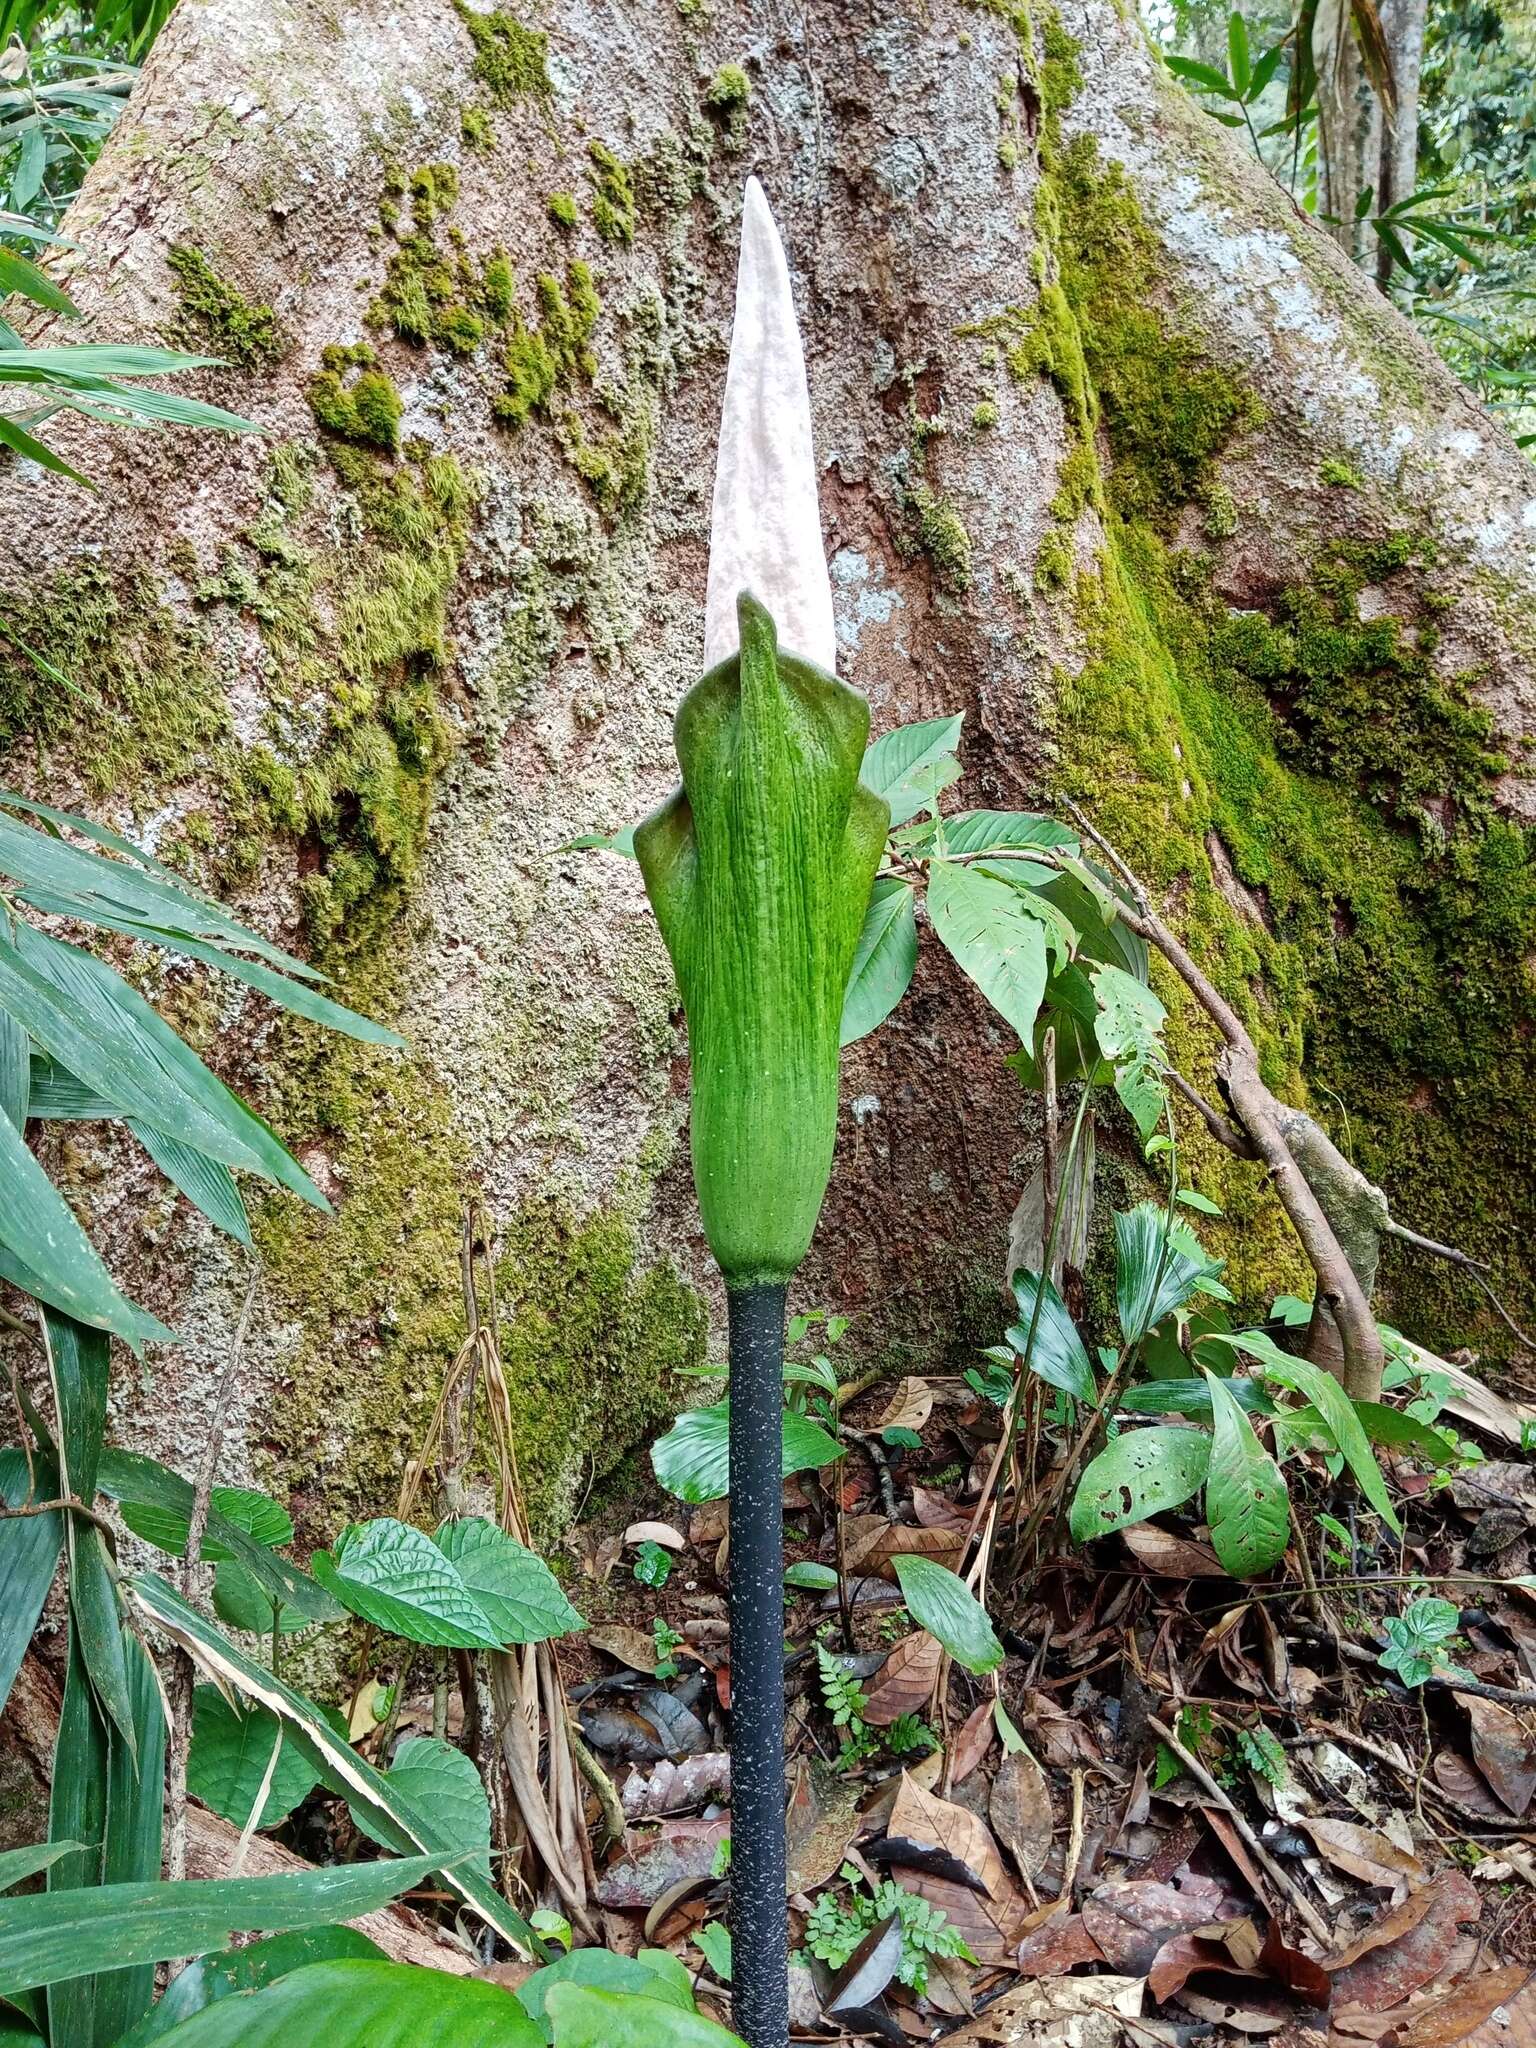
x=1387, y=1927
x=1131, y=1918
x=1173, y=1557
x=972, y=1743
x=677, y=1788
x=1386, y=1975
x=626, y=1646
x=868, y=1970
x=906, y=1680
x=938, y=1511
x=1363, y=1852
x=1057, y=2012
x=654, y=1532
x=1063, y=1740
x=1020, y=1811
x=1297, y=1972
x=1185, y=1956
x=871, y=1542
x=909, y=1407
x=1462, y=1781
x=1252, y=2008
x=1455, y=2014
x=1504, y=1746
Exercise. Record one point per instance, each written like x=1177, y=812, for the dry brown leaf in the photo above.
x=1462, y=1781
x=989, y=1920
x=1504, y=1746
x=1364, y=1852
x=822, y=1819
x=905, y=1681
x=972, y=1743
x=1386, y=1975
x=1020, y=1811
x=1132, y=1917
x=626, y=1646
x=1182, y=1957
x=651, y=1864
x=677, y=1788
x=1388, y=1926
x=1255, y=2009
x=871, y=1542
x=654, y=1532
x=938, y=1511
x=1058, y=1946
x=1174, y=1557
x=908, y=1408
x=1056, y=2012
x=1459, y=2012
x=1293, y=1969
x=1063, y=1740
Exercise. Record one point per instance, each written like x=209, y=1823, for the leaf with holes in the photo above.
x=1246, y=1502
x=1140, y=1473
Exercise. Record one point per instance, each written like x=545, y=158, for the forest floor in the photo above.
x=1182, y=1809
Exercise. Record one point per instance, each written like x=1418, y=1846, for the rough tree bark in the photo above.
x=1121, y=457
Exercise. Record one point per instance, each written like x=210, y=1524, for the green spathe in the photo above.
x=759, y=870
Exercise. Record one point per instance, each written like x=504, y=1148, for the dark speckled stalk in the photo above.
x=758, y=1918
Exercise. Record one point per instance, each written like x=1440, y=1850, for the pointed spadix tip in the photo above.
x=765, y=528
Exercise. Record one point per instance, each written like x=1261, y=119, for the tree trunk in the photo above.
x=1397, y=176
x=1122, y=458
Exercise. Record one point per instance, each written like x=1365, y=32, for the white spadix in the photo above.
x=765, y=526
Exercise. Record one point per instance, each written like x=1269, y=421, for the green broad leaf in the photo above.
x=1239, y=62
x=1192, y=1397
x=397, y=1578
x=210, y=1978
x=1139, y=1473
x=232, y=1749
x=713, y=1941
x=98, y=1624
x=904, y=766
x=262, y=1519
x=1129, y=1021
x=241, y=1601
x=207, y=1185
x=345, y=1773
x=1203, y=75
x=1246, y=1502
x=15, y=1072
x=54, y=1260
x=585, y=2018
x=1157, y=1269
x=102, y=1030
x=29, y=1557
x=940, y=1601
x=1057, y=1355
x=1004, y=832
x=438, y=1779
x=104, y=359
x=364, y=2005
x=18, y=275
x=811, y=1577
x=16, y=1865
x=1400, y=1432
x=1338, y=1411
x=885, y=960
x=993, y=938
x=600, y=1969
x=692, y=1460
x=515, y=1589
x=130, y=1477
x=22, y=443
x=1201, y=1204
x=57, y=1095
x=46, y=1940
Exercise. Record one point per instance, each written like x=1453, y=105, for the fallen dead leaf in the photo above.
x=1020, y=1811
x=1058, y=1946
x=908, y=1408
x=626, y=1646
x=1063, y=1740
x=1255, y=2009
x=905, y=1680
x=1056, y=2012
x=972, y=1743
x=1363, y=1852
x=989, y=1920
x=1385, y=1976
x=677, y=1788
x=1172, y=1557
x=652, y=1864
x=938, y=1511
x=1132, y=1917
x=822, y=1819
x=654, y=1532
x=871, y=1542
x=1504, y=1747
x=1388, y=1926
x=1459, y=2012
x=1184, y=1956
x=1297, y=1972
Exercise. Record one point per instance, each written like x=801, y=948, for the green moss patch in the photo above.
x=511, y=61
x=353, y=398
x=218, y=317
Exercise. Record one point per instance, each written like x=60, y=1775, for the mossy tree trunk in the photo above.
x=1122, y=458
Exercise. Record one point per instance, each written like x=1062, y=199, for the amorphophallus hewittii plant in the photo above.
x=759, y=869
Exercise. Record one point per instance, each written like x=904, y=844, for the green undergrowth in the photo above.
x=1298, y=779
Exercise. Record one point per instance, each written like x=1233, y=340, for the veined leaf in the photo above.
x=693, y=1459
x=884, y=962
x=586, y=2018
x=57, y=1095
x=46, y=1940
x=1003, y=832
x=1246, y=1502
x=207, y=1185
x=210, y=1978
x=438, y=1779
x=1338, y=1411
x=16, y=1865
x=1157, y=1269
x=940, y=1601
x=241, y=1601
x=397, y=1578
x=1127, y=1025
x=992, y=938
x=167, y=1527
x=15, y=1072
x=904, y=766
x=232, y=1748
x=1400, y=1432
x=1139, y=1473
x=343, y=1770
x=646, y=1975
x=516, y=1590
x=1190, y=1396
x=18, y=275
x=29, y=1557
x=366, y=2005
x=1057, y=1355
